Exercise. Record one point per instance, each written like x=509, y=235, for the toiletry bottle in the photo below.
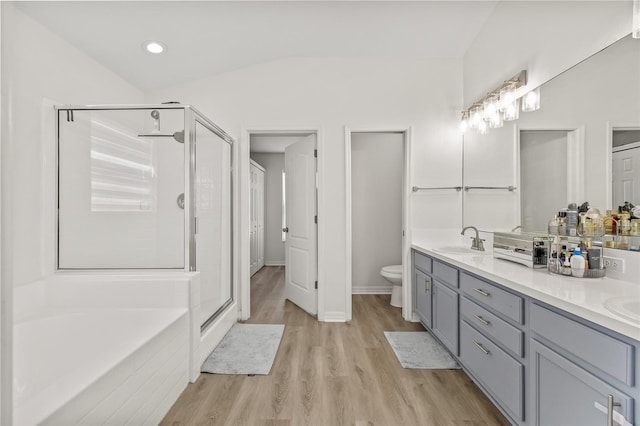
x=553, y=226
x=562, y=222
x=594, y=258
x=566, y=266
x=577, y=263
x=572, y=220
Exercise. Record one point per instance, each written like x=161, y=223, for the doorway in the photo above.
x=625, y=166
x=383, y=153
x=551, y=174
x=290, y=203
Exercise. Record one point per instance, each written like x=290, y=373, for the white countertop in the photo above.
x=583, y=297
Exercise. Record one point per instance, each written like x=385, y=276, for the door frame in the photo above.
x=407, y=303
x=244, y=296
x=576, y=180
x=611, y=127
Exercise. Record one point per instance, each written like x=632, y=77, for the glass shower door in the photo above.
x=120, y=173
x=212, y=220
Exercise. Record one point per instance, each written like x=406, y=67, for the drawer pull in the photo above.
x=482, y=292
x=482, y=320
x=482, y=348
x=610, y=405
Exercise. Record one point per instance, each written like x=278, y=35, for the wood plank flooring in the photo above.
x=332, y=374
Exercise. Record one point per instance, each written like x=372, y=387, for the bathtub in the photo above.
x=100, y=349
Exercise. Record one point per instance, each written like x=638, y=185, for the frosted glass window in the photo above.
x=122, y=168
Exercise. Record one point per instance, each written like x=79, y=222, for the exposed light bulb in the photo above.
x=483, y=127
x=531, y=101
x=495, y=122
x=464, y=126
x=511, y=111
x=476, y=117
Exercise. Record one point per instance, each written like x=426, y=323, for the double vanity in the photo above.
x=546, y=349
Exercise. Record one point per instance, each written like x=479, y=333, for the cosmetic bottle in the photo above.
x=577, y=263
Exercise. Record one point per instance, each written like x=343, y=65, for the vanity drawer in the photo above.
x=422, y=262
x=604, y=352
x=501, y=375
x=500, y=300
x=445, y=273
x=495, y=327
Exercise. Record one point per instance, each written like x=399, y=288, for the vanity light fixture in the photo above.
x=531, y=100
x=495, y=121
x=491, y=105
x=501, y=104
x=635, y=28
x=464, y=122
x=476, y=113
x=511, y=111
x=483, y=127
x=154, y=47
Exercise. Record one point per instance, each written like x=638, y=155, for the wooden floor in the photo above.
x=332, y=374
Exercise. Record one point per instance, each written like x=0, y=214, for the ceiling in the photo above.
x=206, y=38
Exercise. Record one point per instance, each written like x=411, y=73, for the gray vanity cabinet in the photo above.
x=445, y=316
x=539, y=364
x=422, y=294
x=567, y=394
x=422, y=287
x=436, y=298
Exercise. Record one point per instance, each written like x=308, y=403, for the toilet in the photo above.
x=393, y=274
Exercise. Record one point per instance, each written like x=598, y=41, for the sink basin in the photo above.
x=624, y=307
x=458, y=250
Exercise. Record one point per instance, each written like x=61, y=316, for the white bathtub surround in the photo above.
x=583, y=297
x=94, y=366
x=110, y=348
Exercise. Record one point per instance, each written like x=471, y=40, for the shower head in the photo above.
x=155, y=114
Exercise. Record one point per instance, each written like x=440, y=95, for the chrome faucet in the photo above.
x=516, y=228
x=476, y=244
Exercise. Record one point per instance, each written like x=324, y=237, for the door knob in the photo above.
x=285, y=229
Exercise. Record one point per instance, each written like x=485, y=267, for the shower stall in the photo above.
x=146, y=187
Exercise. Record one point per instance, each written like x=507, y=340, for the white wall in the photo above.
x=332, y=93
x=377, y=161
x=273, y=164
x=543, y=37
x=37, y=66
x=598, y=93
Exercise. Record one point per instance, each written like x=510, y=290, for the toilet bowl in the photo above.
x=393, y=274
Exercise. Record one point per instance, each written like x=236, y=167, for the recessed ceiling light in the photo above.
x=154, y=47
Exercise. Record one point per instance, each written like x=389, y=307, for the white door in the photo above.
x=257, y=218
x=626, y=176
x=301, y=240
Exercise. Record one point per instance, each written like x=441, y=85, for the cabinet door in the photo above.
x=445, y=316
x=422, y=296
x=567, y=395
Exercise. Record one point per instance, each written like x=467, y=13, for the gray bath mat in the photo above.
x=245, y=349
x=418, y=349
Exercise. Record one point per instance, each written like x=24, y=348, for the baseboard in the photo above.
x=276, y=263
x=371, y=289
x=334, y=317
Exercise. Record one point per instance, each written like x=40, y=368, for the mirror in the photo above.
x=567, y=151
